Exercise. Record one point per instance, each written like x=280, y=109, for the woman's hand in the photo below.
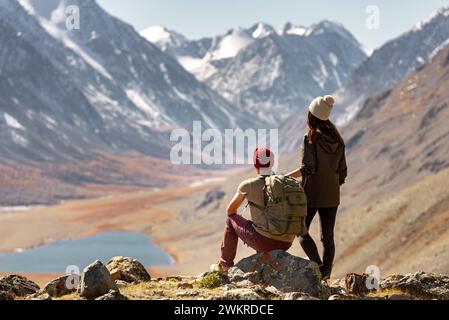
x=294, y=174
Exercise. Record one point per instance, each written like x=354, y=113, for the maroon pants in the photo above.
x=238, y=227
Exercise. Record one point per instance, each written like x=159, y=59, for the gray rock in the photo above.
x=4, y=295
x=39, y=296
x=61, y=286
x=355, y=284
x=399, y=297
x=244, y=284
x=18, y=286
x=236, y=274
x=121, y=284
x=112, y=295
x=344, y=297
x=273, y=290
x=298, y=296
x=96, y=281
x=187, y=294
x=185, y=285
x=127, y=269
x=242, y=294
x=283, y=271
x=308, y=298
x=227, y=287
x=420, y=285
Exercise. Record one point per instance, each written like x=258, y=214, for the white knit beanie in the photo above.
x=321, y=107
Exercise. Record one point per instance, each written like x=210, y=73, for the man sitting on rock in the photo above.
x=250, y=232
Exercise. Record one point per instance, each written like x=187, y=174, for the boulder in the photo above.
x=18, y=286
x=5, y=295
x=242, y=294
x=355, y=284
x=112, y=295
x=121, y=284
x=344, y=297
x=185, y=285
x=127, y=269
x=420, y=285
x=398, y=297
x=96, y=281
x=298, y=296
x=283, y=271
x=39, y=296
x=61, y=286
x=184, y=294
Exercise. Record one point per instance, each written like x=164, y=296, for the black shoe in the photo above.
x=325, y=273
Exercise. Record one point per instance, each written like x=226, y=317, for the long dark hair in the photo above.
x=315, y=124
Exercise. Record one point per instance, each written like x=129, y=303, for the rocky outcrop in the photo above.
x=420, y=285
x=39, y=296
x=274, y=276
x=4, y=295
x=60, y=287
x=127, y=269
x=242, y=294
x=18, y=286
x=112, y=295
x=96, y=281
x=282, y=271
x=355, y=284
x=298, y=296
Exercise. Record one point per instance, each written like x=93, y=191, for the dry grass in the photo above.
x=162, y=290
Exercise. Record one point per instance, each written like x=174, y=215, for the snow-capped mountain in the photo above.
x=392, y=62
x=272, y=72
x=103, y=86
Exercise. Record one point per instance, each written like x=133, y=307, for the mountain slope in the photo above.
x=394, y=211
x=272, y=73
x=102, y=87
x=400, y=136
x=392, y=61
x=406, y=231
x=78, y=107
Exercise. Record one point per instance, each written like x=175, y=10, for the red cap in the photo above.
x=263, y=158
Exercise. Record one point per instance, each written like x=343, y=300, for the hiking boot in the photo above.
x=325, y=274
x=219, y=268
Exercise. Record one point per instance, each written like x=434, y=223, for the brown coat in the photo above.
x=323, y=169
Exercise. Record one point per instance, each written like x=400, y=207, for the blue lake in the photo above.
x=56, y=256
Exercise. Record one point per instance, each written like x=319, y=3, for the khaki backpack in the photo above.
x=285, y=207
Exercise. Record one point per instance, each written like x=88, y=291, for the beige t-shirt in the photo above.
x=252, y=189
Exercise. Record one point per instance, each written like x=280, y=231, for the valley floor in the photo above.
x=404, y=232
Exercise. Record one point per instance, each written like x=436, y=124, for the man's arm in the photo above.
x=294, y=174
x=235, y=204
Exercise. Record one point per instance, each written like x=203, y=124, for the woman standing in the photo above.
x=323, y=171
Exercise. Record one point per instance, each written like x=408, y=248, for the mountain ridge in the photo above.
x=270, y=71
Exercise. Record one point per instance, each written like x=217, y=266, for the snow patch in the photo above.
x=156, y=34
x=163, y=37
x=19, y=139
x=141, y=103
x=58, y=15
x=444, y=11
x=261, y=31
x=438, y=49
x=297, y=30
x=350, y=113
x=333, y=58
x=12, y=122
x=232, y=44
x=62, y=36
x=190, y=63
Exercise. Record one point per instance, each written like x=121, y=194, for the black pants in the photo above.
x=327, y=224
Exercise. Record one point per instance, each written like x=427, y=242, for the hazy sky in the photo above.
x=201, y=18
